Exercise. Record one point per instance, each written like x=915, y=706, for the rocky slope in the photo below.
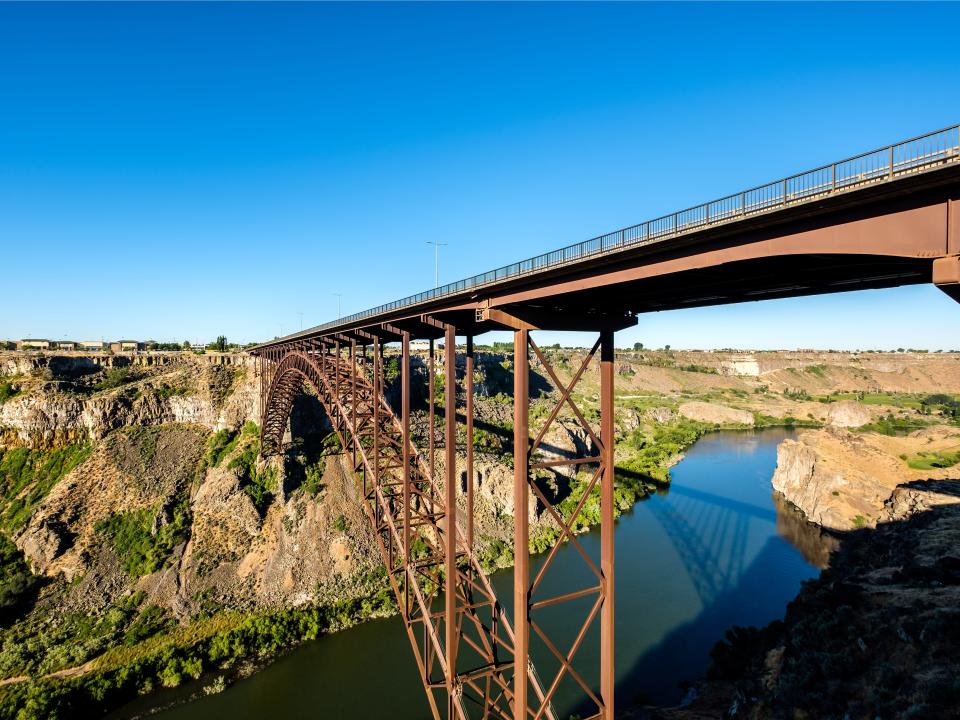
x=134, y=489
x=841, y=480
x=61, y=399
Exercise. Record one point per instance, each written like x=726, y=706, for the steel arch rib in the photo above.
x=367, y=424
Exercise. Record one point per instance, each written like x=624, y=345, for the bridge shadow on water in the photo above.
x=741, y=564
x=736, y=581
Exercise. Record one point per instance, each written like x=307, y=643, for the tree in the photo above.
x=667, y=348
x=220, y=344
x=638, y=346
x=187, y=345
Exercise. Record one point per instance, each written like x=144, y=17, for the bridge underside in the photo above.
x=903, y=229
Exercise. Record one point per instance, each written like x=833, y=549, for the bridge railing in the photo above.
x=916, y=155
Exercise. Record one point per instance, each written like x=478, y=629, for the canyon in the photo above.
x=136, y=497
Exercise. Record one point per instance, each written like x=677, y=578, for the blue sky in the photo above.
x=180, y=171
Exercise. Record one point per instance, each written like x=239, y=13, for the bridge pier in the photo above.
x=528, y=596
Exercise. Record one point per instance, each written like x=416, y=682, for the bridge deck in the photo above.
x=903, y=178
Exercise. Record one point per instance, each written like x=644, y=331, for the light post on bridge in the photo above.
x=436, y=261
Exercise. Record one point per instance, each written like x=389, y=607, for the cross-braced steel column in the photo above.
x=606, y=522
x=599, y=483
x=450, y=512
x=464, y=651
x=468, y=389
x=405, y=432
x=521, y=529
x=431, y=414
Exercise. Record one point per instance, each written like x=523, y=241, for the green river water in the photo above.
x=713, y=551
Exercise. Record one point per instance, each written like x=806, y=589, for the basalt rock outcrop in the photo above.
x=53, y=409
x=841, y=480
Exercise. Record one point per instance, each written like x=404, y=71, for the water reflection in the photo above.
x=733, y=554
x=814, y=544
x=715, y=550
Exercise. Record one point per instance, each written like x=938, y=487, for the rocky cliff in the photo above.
x=60, y=399
x=841, y=479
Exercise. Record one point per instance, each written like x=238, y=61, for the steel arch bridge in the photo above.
x=883, y=218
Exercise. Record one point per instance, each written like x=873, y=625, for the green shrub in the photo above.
x=166, y=391
x=891, y=425
x=141, y=550
x=151, y=621
x=220, y=444
x=260, y=486
x=313, y=478
x=16, y=581
x=7, y=391
x=116, y=377
x=934, y=460
x=26, y=476
x=168, y=658
x=654, y=450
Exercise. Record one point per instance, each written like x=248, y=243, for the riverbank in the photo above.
x=876, y=635
x=139, y=509
x=228, y=645
x=711, y=550
x=841, y=480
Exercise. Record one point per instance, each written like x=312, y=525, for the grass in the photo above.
x=141, y=549
x=259, y=485
x=653, y=451
x=7, y=391
x=913, y=401
x=934, y=460
x=761, y=420
x=16, y=580
x=698, y=369
x=169, y=655
x=220, y=444
x=165, y=391
x=892, y=425
x=816, y=370
x=26, y=476
x=115, y=378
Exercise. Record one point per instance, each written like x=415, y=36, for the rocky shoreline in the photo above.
x=877, y=634
x=134, y=489
x=841, y=480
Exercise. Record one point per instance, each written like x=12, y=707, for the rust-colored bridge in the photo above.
x=884, y=218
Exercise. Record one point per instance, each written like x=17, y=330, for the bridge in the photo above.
x=880, y=219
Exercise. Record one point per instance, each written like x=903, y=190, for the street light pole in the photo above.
x=436, y=260
x=338, y=296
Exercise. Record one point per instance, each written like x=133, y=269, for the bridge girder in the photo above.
x=406, y=499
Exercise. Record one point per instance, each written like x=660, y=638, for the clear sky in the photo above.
x=180, y=171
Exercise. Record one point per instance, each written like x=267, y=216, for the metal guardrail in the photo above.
x=917, y=155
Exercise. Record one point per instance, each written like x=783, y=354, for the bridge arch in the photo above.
x=289, y=376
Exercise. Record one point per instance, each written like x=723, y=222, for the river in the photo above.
x=713, y=551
